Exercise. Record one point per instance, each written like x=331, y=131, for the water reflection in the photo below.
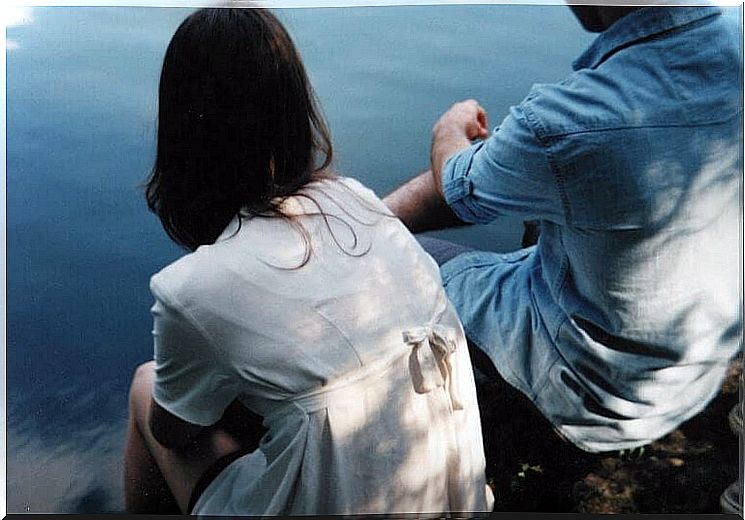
x=79, y=473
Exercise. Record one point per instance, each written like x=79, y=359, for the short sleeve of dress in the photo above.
x=190, y=379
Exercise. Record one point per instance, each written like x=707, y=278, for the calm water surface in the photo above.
x=81, y=246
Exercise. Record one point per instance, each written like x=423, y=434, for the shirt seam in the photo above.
x=559, y=135
x=340, y=332
x=561, y=281
x=546, y=140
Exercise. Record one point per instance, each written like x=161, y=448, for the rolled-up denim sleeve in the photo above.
x=508, y=174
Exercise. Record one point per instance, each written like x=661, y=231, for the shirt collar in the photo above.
x=638, y=25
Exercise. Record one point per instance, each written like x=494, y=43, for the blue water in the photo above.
x=81, y=246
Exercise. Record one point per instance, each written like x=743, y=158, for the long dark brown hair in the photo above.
x=238, y=124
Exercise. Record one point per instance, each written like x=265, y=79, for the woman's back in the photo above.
x=302, y=301
x=345, y=355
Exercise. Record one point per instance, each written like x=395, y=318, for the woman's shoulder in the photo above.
x=351, y=189
x=173, y=280
x=356, y=186
x=239, y=268
x=193, y=280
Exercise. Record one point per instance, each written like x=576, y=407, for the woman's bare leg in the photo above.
x=158, y=479
x=145, y=489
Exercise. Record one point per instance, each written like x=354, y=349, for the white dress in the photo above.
x=356, y=361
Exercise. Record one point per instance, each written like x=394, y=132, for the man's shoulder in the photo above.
x=658, y=83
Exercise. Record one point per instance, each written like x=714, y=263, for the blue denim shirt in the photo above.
x=620, y=323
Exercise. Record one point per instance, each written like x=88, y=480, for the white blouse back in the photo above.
x=356, y=361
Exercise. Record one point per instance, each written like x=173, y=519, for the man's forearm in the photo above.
x=420, y=205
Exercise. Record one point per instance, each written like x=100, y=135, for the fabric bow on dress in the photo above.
x=433, y=361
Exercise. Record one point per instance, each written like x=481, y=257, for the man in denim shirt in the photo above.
x=619, y=324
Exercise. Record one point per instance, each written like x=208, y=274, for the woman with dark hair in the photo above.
x=307, y=360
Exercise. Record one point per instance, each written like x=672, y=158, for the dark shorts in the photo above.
x=209, y=475
x=441, y=250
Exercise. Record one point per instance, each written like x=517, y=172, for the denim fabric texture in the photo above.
x=620, y=322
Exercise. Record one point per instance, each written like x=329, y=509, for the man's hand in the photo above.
x=453, y=132
x=467, y=119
